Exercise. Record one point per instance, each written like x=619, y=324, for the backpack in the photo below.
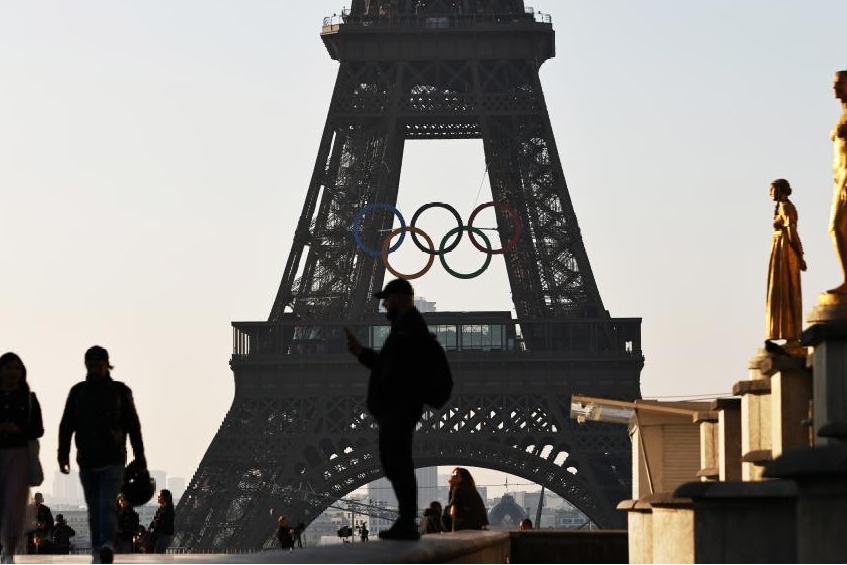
x=437, y=379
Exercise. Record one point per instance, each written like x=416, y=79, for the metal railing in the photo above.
x=462, y=333
x=432, y=21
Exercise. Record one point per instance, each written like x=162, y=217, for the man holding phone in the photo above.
x=393, y=399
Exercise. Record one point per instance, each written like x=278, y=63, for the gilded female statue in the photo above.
x=838, y=216
x=784, y=301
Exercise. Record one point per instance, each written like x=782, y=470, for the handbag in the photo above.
x=36, y=472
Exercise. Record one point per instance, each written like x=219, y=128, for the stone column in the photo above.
x=828, y=336
x=755, y=419
x=729, y=438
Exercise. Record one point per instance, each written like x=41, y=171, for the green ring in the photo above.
x=442, y=254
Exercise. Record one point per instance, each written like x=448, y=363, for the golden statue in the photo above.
x=838, y=215
x=784, y=300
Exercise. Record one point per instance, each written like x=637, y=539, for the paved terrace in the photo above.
x=504, y=546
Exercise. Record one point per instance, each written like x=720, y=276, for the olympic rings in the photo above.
x=469, y=229
x=385, y=251
x=386, y=248
x=431, y=250
x=357, y=222
x=516, y=221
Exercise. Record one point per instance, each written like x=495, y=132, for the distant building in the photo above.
x=161, y=478
x=67, y=490
x=177, y=487
x=423, y=306
x=382, y=493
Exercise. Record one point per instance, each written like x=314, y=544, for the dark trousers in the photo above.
x=396, y=430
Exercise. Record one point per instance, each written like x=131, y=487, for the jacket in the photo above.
x=396, y=369
x=163, y=521
x=15, y=408
x=100, y=413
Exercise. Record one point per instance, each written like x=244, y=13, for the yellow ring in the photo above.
x=386, y=242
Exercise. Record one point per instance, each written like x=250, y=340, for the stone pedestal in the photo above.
x=639, y=518
x=828, y=337
x=791, y=397
x=775, y=408
x=661, y=529
x=743, y=522
x=820, y=475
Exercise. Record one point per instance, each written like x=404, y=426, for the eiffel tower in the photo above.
x=297, y=436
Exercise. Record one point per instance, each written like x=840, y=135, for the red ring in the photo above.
x=516, y=220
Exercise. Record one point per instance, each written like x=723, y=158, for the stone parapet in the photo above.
x=820, y=475
x=743, y=522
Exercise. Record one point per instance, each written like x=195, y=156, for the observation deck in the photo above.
x=462, y=334
x=480, y=35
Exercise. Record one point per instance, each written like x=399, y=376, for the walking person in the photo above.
x=467, y=510
x=162, y=525
x=20, y=422
x=128, y=523
x=394, y=399
x=100, y=413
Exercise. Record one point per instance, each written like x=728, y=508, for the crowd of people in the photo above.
x=99, y=416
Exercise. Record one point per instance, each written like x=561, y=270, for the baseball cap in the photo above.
x=97, y=353
x=397, y=286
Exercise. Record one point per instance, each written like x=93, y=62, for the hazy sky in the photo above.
x=154, y=158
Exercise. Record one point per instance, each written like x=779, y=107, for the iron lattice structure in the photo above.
x=297, y=435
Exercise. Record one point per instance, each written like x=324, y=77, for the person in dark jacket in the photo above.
x=162, y=525
x=62, y=534
x=394, y=399
x=128, y=523
x=284, y=533
x=467, y=510
x=431, y=520
x=39, y=540
x=100, y=413
x=20, y=422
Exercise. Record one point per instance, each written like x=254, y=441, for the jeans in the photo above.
x=101, y=486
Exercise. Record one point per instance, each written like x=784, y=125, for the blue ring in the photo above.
x=357, y=223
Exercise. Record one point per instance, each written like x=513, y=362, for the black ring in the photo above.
x=450, y=209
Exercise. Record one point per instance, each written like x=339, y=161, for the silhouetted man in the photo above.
x=393, y=399
x=100, y=413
